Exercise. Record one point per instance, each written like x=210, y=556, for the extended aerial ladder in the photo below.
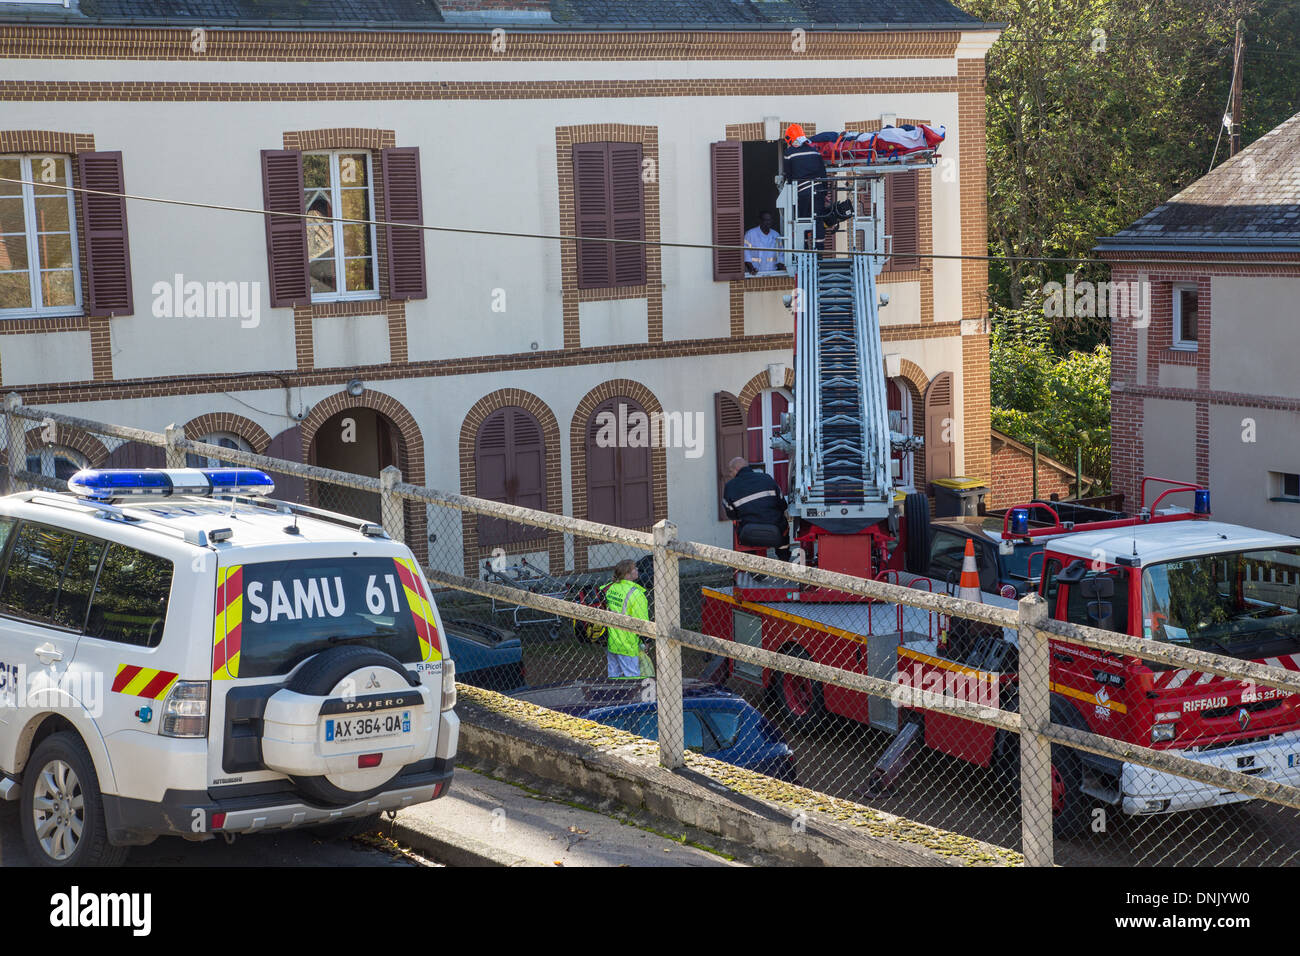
x=837, y=433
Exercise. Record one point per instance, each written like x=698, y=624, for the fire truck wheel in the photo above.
x=916, y=507
x=801, y=699
x=62, y=812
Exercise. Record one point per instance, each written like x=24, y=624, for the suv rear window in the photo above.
x=294, y=609
x=130, y=602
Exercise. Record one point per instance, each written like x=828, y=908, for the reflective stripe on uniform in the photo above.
x=770, y=493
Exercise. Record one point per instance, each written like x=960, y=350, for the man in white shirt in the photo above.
x=764, y=247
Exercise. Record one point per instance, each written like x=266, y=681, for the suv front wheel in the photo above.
x=62, y=810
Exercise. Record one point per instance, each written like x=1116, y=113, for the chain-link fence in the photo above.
x=1072, y=743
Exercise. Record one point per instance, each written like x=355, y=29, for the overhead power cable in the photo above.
x=460, y=230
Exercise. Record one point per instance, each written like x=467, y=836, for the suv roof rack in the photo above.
x=112, y=512
x=367, y=528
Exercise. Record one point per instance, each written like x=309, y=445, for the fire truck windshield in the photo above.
x=1245, y=604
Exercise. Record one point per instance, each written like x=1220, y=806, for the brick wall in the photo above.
x=1013, y=477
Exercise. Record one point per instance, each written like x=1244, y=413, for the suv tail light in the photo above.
x=185, y=711
x=448, y=684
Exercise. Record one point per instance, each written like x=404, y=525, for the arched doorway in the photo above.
x=359, y=440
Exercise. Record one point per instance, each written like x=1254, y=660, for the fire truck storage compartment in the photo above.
x=881, y=641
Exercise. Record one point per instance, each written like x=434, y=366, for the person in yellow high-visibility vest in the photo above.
x=624, y=658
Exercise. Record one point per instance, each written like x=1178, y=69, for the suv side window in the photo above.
x=130, y=602
x=38, y=562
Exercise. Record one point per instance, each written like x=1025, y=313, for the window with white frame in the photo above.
x=764, y=421
x=899, y=400
x=38, y=238
x=341, y=255
x=1185, y=317
x=55, y=461
x=225, y=440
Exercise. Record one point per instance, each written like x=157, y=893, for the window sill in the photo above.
x=1286, y=499
x=70, y=313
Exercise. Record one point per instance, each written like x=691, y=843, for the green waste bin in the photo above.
x=958, y=497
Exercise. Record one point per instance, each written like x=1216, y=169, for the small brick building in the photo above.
x=1013, y=474
x=1204, y=384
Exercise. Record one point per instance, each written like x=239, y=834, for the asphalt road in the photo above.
x=288, y=848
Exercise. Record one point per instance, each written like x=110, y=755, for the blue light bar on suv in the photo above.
x=102, y=484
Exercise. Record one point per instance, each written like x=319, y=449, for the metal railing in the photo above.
x=691, y=580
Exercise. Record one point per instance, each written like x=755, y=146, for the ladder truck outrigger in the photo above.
x=1166, y=572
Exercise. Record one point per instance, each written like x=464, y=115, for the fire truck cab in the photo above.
x=1207, y=585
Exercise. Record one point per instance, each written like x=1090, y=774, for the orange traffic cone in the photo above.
x=968, y=588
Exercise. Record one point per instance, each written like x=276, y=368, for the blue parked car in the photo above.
x=486, y=655
x=719, y=724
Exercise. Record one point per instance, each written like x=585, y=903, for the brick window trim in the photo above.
x=371, y=141
x=566, y=137
x=62, y=144
x=550, y=542
x=229, y=422
x=614, y=388
x=67, y=436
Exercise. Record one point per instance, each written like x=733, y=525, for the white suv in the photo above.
x=171, y=663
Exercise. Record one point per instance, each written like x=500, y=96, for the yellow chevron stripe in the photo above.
x=140, y=682
x=234, y=613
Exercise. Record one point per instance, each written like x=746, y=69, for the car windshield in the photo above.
x=293, y=609
x=1244, y=604
x=1017, y=562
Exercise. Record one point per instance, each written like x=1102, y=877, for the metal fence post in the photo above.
x=15, y=441
x=390, y=504
x=1035, y=749
x=668, y=653
x=173, y=457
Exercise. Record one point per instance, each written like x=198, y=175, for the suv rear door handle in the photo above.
x=48, y=653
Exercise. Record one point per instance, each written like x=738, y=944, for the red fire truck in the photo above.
x=1176, y=576
x=1163, y=574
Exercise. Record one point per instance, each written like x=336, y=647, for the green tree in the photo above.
x=1063, y=403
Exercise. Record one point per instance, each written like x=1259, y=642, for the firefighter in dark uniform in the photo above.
x=752, y=496
x=805, y=167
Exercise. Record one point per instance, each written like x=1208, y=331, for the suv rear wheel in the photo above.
x=62, y=809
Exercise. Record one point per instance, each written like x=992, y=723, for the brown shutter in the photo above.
x=402, y=203
x=728, y=173
x=729, y=422
x=591, y=203
x=602, y=470
x=903, y=220
x=627, y=213
x=620, y=480
x=510, y=466
x=108, y=253
x=940, y=456
x=287, y=446
x=286, y=237
x=134, y=454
